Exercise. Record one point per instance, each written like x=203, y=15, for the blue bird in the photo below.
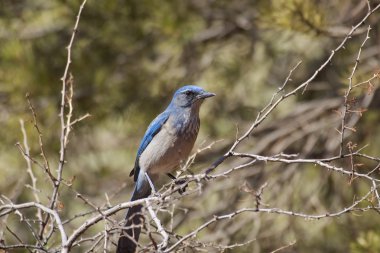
x=167, y=143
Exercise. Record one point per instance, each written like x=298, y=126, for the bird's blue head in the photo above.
x=190, y=96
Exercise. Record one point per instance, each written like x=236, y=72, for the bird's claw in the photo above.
x=207, y=177
x=183, y=183
x=156, y=194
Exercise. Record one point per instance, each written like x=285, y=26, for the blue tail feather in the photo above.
x=133, y=218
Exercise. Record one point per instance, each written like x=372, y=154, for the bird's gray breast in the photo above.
x=171, y=146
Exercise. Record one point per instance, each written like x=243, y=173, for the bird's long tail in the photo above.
x=130, y=235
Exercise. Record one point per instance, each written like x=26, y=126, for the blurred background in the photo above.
x=128, y=59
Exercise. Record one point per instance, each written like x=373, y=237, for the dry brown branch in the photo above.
x=347, y=104
x=284, y=247
x=276, y=211
x=46, y=166
x=9, y=208
x=160, y=229
x=262, y=115
x=65, y=125
x=29, y=169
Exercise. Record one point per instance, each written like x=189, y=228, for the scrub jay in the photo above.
x=167, y=142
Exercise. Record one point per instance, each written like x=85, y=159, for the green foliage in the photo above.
x=368, y=242
x=294, y=15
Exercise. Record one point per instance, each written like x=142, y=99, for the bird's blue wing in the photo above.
x=152, y=130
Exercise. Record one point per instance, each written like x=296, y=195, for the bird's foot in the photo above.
x=156, y=194
x=183, y=185
x=179, y=182
x=208, y=175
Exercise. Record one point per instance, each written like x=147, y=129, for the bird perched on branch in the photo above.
x=167, y=142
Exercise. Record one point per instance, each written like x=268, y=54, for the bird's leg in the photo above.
x=171, y=176
x=178, y=182
x=151, y=184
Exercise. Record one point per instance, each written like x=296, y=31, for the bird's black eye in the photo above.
x=189, y=93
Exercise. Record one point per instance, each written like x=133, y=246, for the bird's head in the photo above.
x=190, y=96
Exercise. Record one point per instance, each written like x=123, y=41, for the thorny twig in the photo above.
x=347, y=104
x=65, y=125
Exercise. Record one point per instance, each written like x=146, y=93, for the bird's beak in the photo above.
x=205, y=95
